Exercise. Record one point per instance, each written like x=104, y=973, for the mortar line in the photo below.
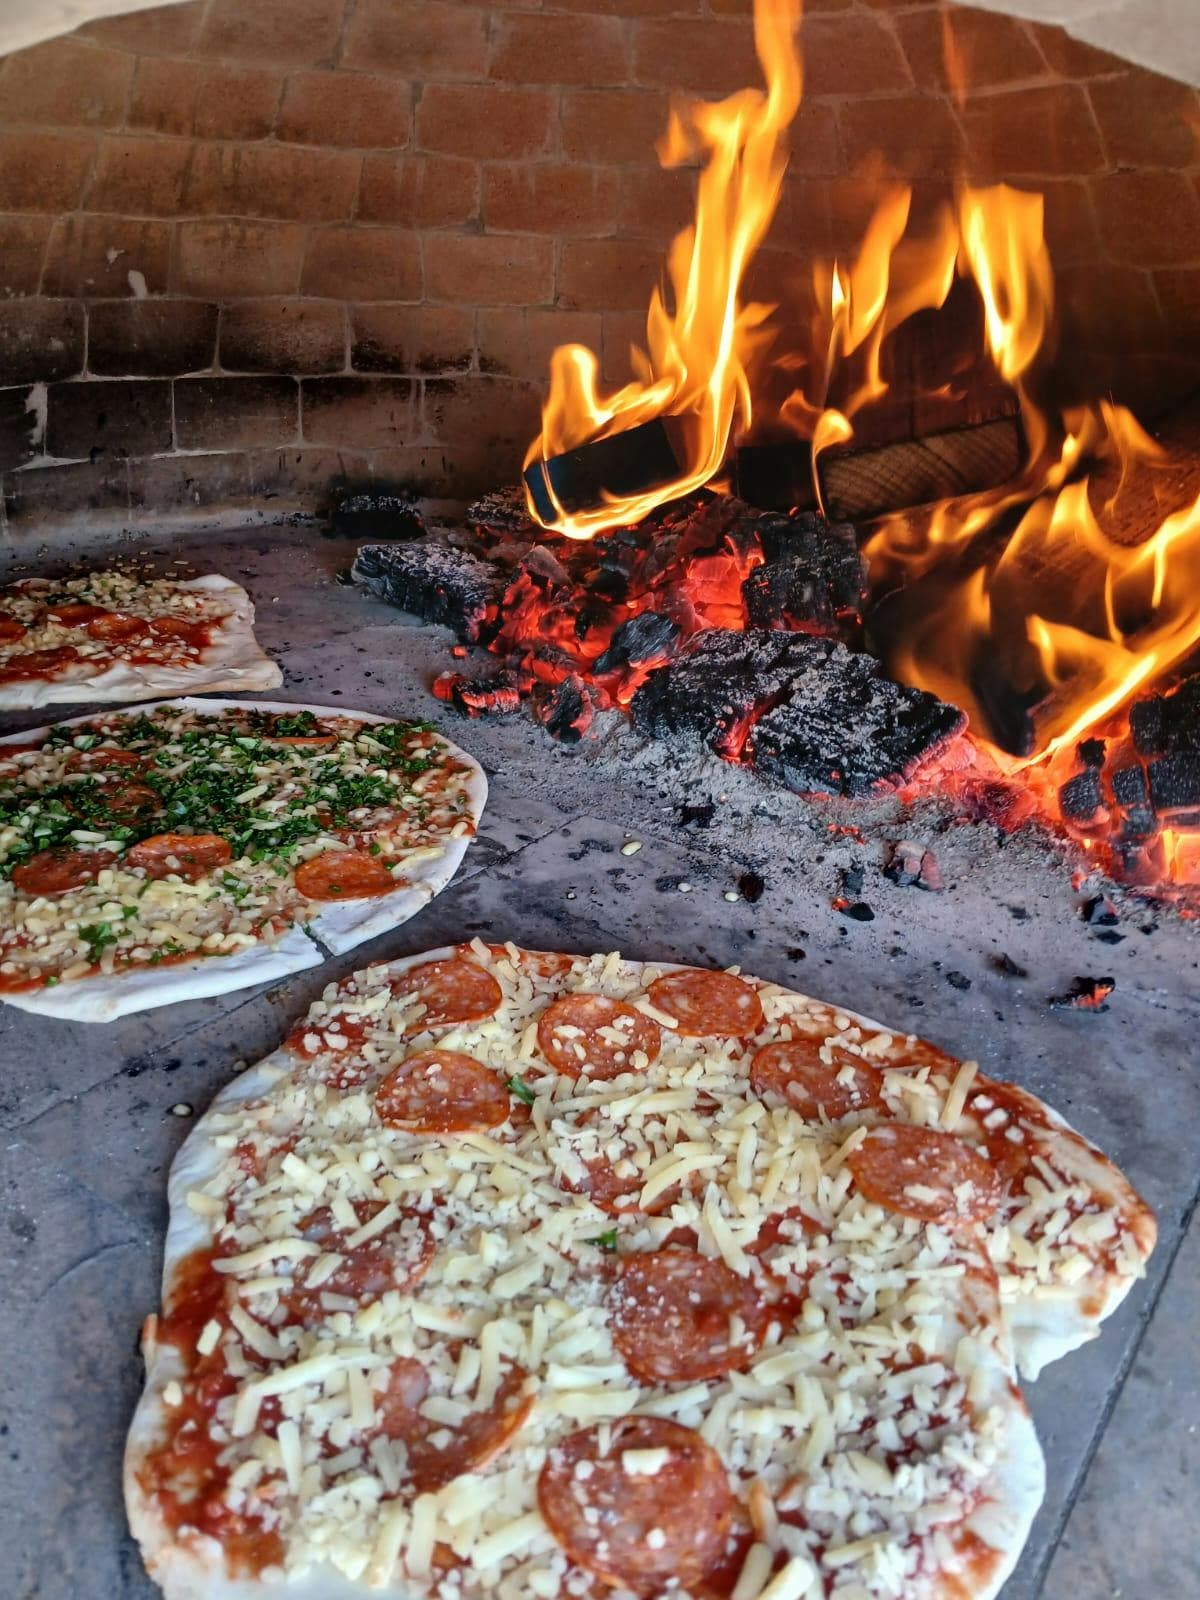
x=1116, y=1390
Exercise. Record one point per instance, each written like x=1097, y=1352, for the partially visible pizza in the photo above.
x=197, y=846
x=110, y=635
x=521, y=1274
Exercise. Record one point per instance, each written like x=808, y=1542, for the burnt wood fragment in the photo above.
x=789, y=593
x=828, y=549
x=481, y=697
x=634, y=462
x=1175, y=781
x=1081, y=798
x=563, y=709
x=646, y=637
x=435, y=581
x=374, y=513
x=840, y=727
x=711, y=692
x=1167, y=723
x=503, y=512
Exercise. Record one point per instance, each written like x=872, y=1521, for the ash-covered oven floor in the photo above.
x=93, y=1114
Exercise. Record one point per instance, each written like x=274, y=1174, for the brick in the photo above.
x=620, y=332
x=271, y=180
x=19, y=427
x=359, y=110
x=554, y=49
x=655, y=205
x=360, y=412
x=640, y=8
x=487, y=122
x=227, y=259
x=40, y=340
x=707, y=57
x=607, y=274
x=139, y=176
x=918, y=134
x=66, y=83
x=485, y=269
x=1146, y=120
x=1178, y=290
x=355, y=263
x=519, y=343
x=172, y=488
x=164, y=94
x=22, y=252
x=43, y=171
x=1114, y=308
x=1070, y=222
x=283, y=335
x=67, y=493
x=499, y=414
x=96, y=255
x=1071, y=57
x=298, y=477
x=1040, y=131
x=150, y=338
x=812, y=140
x=850, y=54
x=419, y=191
x=803, y=215
x=1148, y=219
x=412, y=339
x=541, y=198
x=419, y=38
x=988, y=50
x=613, y=125
x=286, y=32
x=235, y=413
x=157, y=31
x=113, y=418
x=237, y=102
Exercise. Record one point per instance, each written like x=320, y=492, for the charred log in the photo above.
x=637, y=641
x=1081, y=798
x=434, y=581
x=1175, y=782
x=1167, y=723
x=620, y=467
x=711, y=694
x=563, y=709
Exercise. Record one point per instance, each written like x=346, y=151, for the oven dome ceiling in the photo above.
x=1163, y=35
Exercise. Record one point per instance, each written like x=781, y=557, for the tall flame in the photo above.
x=700, y=337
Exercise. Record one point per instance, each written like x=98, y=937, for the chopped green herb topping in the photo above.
x=518, y=1086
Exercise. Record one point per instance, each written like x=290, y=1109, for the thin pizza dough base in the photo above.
x=233, y=663
x=196, y=1571
x=335, y=928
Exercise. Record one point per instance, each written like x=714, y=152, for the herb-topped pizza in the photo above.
x=521, y=1274
x=113, y=636
x=198, y=846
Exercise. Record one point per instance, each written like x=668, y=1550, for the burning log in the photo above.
x=1175, y=783
x=435, y=581
x=711, y=694
x=1166, y=723
x=843, y=728
x=859, y=484
x=621, y=467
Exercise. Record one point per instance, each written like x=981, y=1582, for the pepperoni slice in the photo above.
x=589, y=1033
x=38, y=663
x=924, y=1173
x=671, y=1312
x=343, y=875
x=116, y=626
x=58, y=871
x=103, y=760
x=544, y=963
x=11, y=630
x=441, y=1091
x=76, y=615
x=183, y=855
x=603, y=1515
x=795, y=1070
x=474, y=1441
x=609, y=1178
x=449, y=990
x=397, y=1258
x=339, y=1038
x=126, y=802
x=708, y=1004
x=303, y=739
x=194, y=633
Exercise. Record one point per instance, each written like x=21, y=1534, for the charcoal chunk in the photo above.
x=789, y=593
x=646, y=637
x=435, y=581
x=1130, y=788
x=1081, y=799
x=376, y=513
x=1175, y=781
x=710, y=693
x=563, y=709
x=828, y=550
x=840, y=727
x=504, y=511
x=1167, y=723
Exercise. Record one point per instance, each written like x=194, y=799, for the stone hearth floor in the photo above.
x=89, y=1132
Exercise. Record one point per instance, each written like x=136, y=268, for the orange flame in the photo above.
x=694, y=365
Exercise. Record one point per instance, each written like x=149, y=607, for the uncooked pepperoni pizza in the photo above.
x=521, y=1274
x=114, y=636
x=196, y=846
